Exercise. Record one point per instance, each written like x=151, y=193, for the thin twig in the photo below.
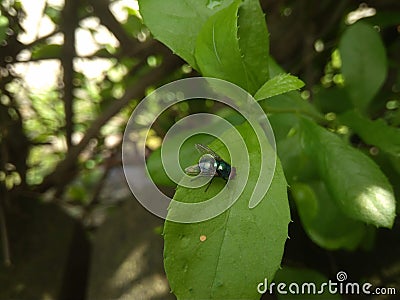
x=68, y=26
x=41, y=39
x=4, y=236
x=102, y=10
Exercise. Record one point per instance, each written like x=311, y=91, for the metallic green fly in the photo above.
x=211, y=165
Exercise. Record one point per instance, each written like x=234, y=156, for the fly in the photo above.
x=211, y=165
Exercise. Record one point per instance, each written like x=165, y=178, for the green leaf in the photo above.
x=277, y=85
x=53, y=13
x=376, y=133
x=291, y=275
x=296, y=164
x=354, y=181
x=217, y=48
x=47, y=52
x=254, y=43
x=178, y=23
x=232, y=45
x=102, y=52
x=3, y=27
x=242, y=247
x=133, y=25
x=323, y=220
x=364, y=64
x=334, y=99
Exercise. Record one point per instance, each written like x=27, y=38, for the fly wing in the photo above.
x=193, y=170
x=205, y=150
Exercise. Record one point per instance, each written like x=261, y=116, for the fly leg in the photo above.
x=208, y=185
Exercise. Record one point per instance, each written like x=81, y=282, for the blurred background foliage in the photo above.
x=70, y=75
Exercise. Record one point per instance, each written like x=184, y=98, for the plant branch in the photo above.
x=68, y=52
x=67, y=166
x=141, y=51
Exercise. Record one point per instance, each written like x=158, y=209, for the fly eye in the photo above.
x=207, y=159
x=205, y=165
